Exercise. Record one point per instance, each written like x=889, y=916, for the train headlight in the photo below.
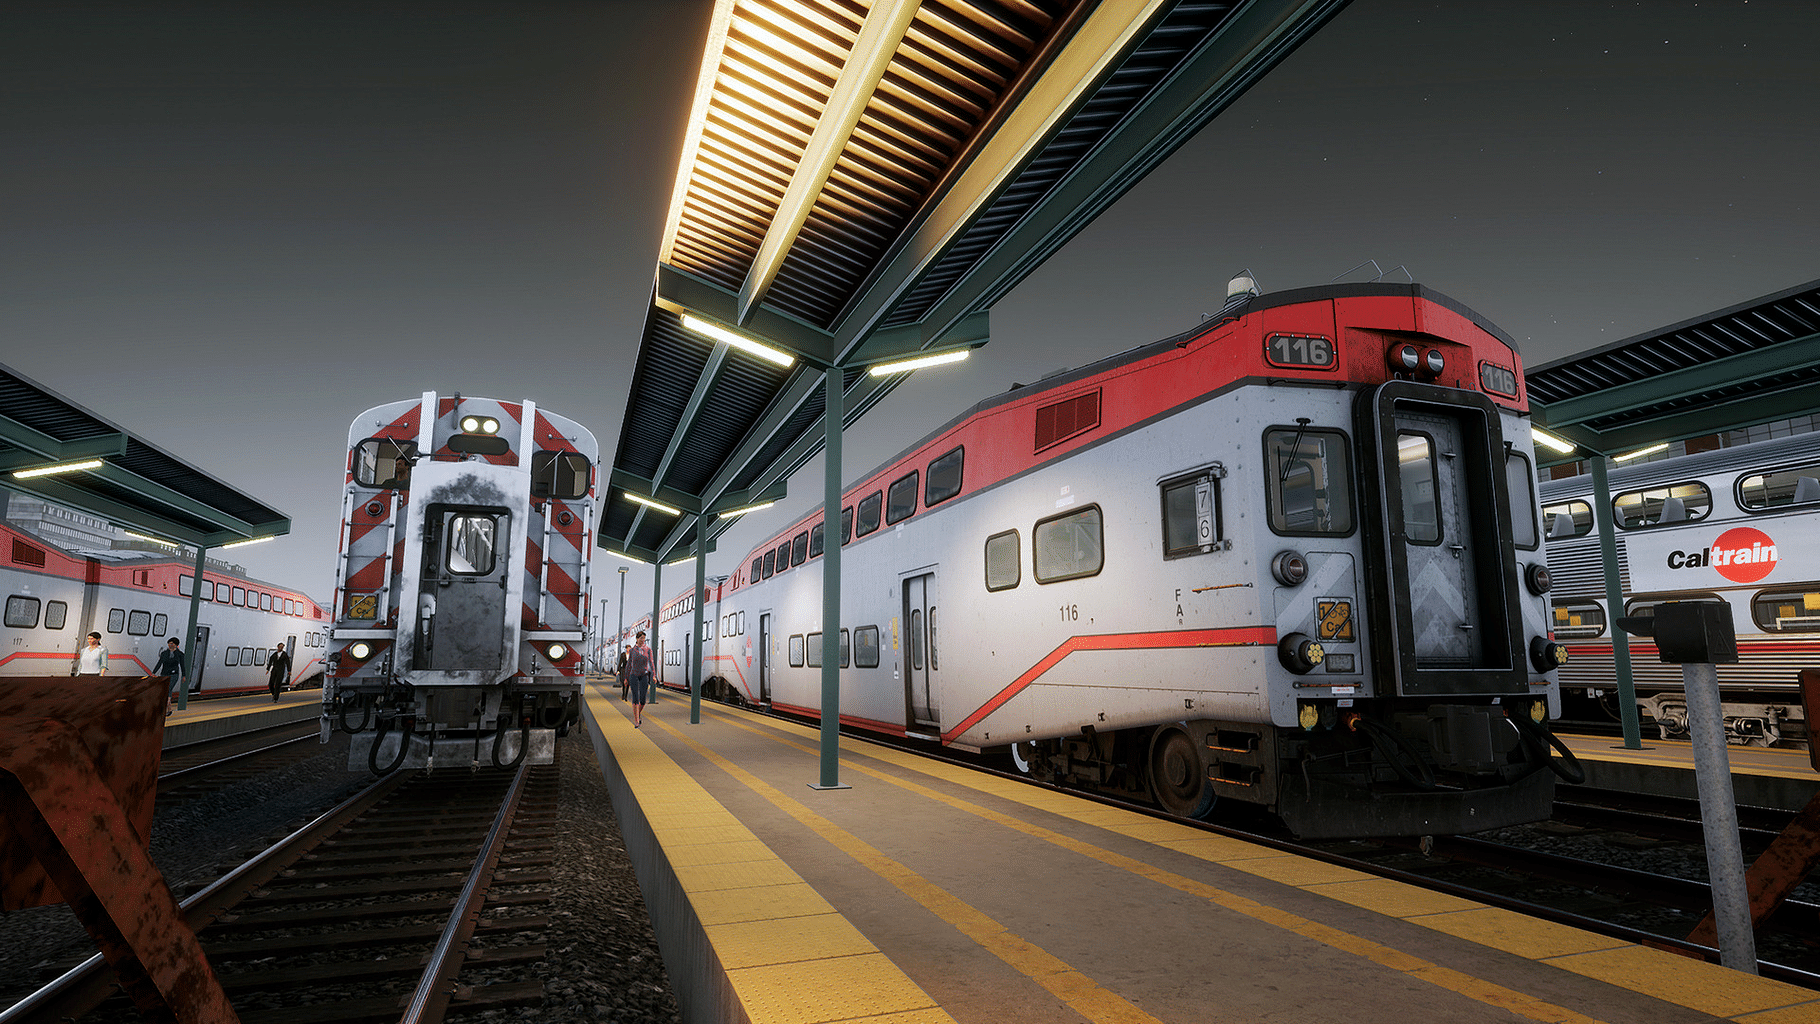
x=556, y=652
x=361, y=650
x=479, y=425
x=1404, y=358
x=1546, y=655
x=1289, y=568
x=1537, y=578
x=1432, y=363
x=1300, y=653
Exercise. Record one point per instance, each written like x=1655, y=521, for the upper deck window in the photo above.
x=559, y=475
x=1796, y=485
x=1662, y=506
x=1308, y=481
x=944, y=478
x=384, y=462
x=902, y=502
x=815, y=541
x=799, y=548
x=869, y=507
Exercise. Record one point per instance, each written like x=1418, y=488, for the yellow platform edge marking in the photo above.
x=1653, y=973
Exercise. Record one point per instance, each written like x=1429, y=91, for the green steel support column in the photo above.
x=1614, y=605
x=657, y=601
x=189, y=643
x=701, y=583
x=832, y=414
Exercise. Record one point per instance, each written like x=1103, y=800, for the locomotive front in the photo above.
x=462, y=588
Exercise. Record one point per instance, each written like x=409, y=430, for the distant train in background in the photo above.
x=1737, y=524
x=1288, y=558
x=138, y=599
x=462, y=582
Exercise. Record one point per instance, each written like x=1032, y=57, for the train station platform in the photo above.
x=929, y=893
x=217, y=717
x=1761, y=776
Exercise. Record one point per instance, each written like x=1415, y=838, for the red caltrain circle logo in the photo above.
x=1742, y=555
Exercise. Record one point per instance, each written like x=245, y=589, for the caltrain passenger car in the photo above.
x=461, y=589
x=137, y=600
x=1288, y=558
x=1734, y=524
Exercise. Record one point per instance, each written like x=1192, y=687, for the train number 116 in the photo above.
x=1299, y=350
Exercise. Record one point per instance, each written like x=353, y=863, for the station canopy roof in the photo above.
x=1752, y=363
x=859, y=185
x=131, y=482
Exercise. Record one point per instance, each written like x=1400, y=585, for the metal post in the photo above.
x=657, y=601
x=833, y=412
x=1719, y=817
x=619, y=640
x=1614, y=605
x=694, y=656
x=189, y=653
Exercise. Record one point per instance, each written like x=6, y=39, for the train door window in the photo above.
x=559, y=475
x=1308, y=481
x=1787, y=610
x=796, y=651
x=383, y=462
x=867, y=519
x=186, y=585
x=1568, y=519
x=916, y=638
x=846, y=648
x=1069, y=546
x=56, y=613
x=231, y=657
x=902, y=500
x=239, y=596
x=799, y=548
x=1797, y=485
x=1661, y=506
x=934, y=661
x=161, y=624
x=865, y=647
x=740, y=629
x=22, y=612
x=1004, y=561
x=944, y=478
x=1520, y=480
x=472, y=543
x=815, y=541
x=1578, y=620
x=846, y=525
x=1416, y=476
x=758, y=568
x=1191, y=515
x=116, y=620
x=139, y=623
x=814, y=646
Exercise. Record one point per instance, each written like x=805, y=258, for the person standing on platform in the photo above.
x=625, y=685
x=171, y=665
x=92, y=659
x=638, y=666
x=278, y=671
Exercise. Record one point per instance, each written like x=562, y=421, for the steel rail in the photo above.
x=245, y=755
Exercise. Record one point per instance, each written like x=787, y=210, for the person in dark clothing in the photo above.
x=278, y=671
x=173, y=666
x=625, y=685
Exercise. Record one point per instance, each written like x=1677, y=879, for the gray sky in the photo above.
x=232, y=227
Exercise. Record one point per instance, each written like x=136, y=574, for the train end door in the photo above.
x=466, y=558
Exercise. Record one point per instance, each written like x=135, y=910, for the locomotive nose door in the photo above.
x=1442, y=553
x=465, y=588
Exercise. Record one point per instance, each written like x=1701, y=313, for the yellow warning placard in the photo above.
x=363, y=606
x=1336, y=619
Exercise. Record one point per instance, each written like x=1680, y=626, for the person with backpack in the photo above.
x=638, y=668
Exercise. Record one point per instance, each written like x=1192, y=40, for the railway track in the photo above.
x=201, y=768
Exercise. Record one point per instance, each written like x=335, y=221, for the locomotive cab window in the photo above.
x=1416, y=475
x=1004, y=561
x=1662, y=506
x=1520, y=480
x=471, y=546
x=1578, y=620
x=1069, y=546
x=1787, y=610
x=1191, y=515
x=900, y=504
x=867, y=519
x=1568, y=519
x=383, y=462
x=1797, y=485
x=559, y=475
x=1308, y=482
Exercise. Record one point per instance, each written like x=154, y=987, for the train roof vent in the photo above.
x=25, y=554
x=1059, y=421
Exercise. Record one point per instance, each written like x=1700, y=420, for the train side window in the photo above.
x=239, y=596
x=258, y=657
x=1661, y=506
x=231, y=658
x=1416, y=474
x=741, y=628
x=1645, y=607
x=901, y=503
x=116, y=620
x=1787, y=610
x=770, y=565
x=22, y=611
x=867, y=519
x=758, y=568
x=1780, y=488
x=265, y=602
x=1568, y=519
x=214, y=592
x=559, y=475
x=814, y=644
x=472, y=542
x=1308, y=480
x=161, y=624
x=56, y=613
x=796, y=651
x=944, y=478
x=1004, y=561
x=816, y=543
x=1192, y=523
x=1069, y=546
x=1578, y=620
x=783, y=556
x=186, y=585
x=139, y=623
x=383, y=462
x=1520, y=481
x=865, y=647
x=846, y=648
x=846, y=525
x=290, y=606
x=799, y=548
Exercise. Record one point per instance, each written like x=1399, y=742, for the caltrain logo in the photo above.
x=1742, y=555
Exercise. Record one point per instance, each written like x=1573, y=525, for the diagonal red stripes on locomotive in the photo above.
x=1231, y=636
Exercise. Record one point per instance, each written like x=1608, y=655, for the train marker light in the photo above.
x=360, y=651
x=1548, y=440
x=1433, y=362
x=556, y=652
x=1639, y=453
x=708, y=329
x=1404, y=359
x=917, y=363
x=648, y=503
x=62, y=467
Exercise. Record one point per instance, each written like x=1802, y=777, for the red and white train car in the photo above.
x=1290, y=558
x=461, y=593
x=137, y=600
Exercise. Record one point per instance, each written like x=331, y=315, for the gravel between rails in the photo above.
x=602, y=964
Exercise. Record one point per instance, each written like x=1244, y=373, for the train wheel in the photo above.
x=1178, y=776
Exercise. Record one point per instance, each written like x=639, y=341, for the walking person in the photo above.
x=174, y=667
x=638, y=666
x=625, y=685
x=92, y=659
x=278, y=671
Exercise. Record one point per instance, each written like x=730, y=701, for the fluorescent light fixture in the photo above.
x=62, y=467
x=151, y=540
x=244, y=543
x=730, y=513
x=1549, y=440
x=713, y=330
x=680, y=561
x=1639, y=453
x=648, y=503
x=919, y=362
x=622, y=556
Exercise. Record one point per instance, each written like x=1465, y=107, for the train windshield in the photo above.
x=383, y=462
x=559, y=475
x=1309, y=481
